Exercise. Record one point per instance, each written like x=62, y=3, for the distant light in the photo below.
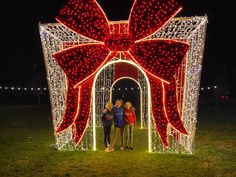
x=12, y=88
x=132, y=88
x=32, y=89
x=119, y=89
x=45, y=89
x=25, y=88
x=215, y=87
x=208, y=88
x=138, y=88
x=6, y=88
x=18, y=88
x=39, y=89
x=202, y=88
x=126, y=89
x=0, y=87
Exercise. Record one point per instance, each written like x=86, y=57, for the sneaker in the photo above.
x=122, y=148
x=131, y=149
x=111, y=148
x=107, y=150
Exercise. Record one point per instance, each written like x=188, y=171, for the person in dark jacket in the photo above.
x=118, y=123
x=106, y=119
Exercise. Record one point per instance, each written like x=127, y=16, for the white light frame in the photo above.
x=141, y=96
x=191, y=29
x=94, y=101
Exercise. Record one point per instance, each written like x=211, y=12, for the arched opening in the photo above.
x=128, y=89
x=104, y=88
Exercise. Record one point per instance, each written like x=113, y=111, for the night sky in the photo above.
x=21, y=55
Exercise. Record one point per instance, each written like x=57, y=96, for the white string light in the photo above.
x=54, y=37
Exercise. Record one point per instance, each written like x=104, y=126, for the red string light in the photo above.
x=158, y=58
x=148, y=16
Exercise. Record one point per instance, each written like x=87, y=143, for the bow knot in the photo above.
x=119, y=42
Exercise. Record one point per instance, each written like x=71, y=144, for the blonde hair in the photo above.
x=108, y=103
x=120, y=100
x=128, y=102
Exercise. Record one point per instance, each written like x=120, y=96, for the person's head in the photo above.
x=108, y=106
x=118, y=103
x=128, y=105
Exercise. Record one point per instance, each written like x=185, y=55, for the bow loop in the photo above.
x=148, y=16
x=81, y=61
x=160, y=58
x=86, y=18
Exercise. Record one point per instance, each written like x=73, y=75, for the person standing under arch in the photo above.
x=118, y=123
x=130, y=121
x=106, y=119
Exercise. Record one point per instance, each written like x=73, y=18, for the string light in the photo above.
x=159, y=57
x=19, y=88
x=107, y=43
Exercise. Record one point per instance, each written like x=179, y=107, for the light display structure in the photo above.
x=55, y=37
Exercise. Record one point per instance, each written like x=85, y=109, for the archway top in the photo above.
x=123, y=78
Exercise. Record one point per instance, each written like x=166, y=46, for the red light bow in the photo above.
x=158, y=58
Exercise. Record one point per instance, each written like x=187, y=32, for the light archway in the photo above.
x=94, y=101
x=141, y=96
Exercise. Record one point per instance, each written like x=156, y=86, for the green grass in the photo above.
x=26, y=139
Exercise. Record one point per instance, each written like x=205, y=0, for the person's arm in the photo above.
x=103, y=117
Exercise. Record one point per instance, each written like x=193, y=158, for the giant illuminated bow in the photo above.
x=158, y=58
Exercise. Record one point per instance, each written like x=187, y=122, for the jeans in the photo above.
x=117, y=130
x=129, y=129
x=107, y=134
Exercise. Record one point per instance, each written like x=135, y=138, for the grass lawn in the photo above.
x=26, y=139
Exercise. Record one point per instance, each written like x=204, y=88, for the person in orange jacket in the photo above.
x=130, y=121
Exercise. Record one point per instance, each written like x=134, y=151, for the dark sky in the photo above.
x=22, y=49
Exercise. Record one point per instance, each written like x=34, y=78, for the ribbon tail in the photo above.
x=83, y=113
x=71, y=108
x=171, y=107
x=158, y=112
